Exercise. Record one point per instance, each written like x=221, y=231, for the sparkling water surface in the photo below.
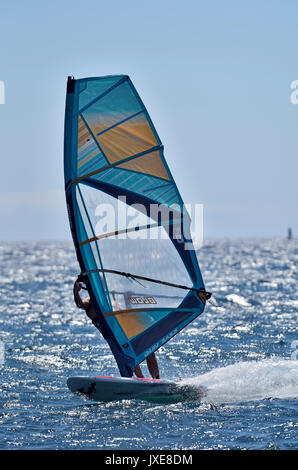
x=243, y=348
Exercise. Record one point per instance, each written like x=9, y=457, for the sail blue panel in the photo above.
x=115, y=107
x=112, y=151
x=91, y=88
x=157, y=191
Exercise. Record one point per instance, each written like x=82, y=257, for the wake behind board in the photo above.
x=106, y=389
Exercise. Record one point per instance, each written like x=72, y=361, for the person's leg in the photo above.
x=153, y=366
x=138, y=372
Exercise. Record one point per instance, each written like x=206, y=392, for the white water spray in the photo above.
x=246, y=381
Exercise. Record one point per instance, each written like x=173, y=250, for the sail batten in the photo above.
x=137, y=228
x=120, y=122
x=144, y=285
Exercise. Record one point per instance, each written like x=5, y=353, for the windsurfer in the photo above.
x=86, y=304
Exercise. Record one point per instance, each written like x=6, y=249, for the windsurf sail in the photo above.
x=129, y=225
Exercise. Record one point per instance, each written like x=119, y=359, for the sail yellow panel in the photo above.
x=127, y=139
x=150, y=164
x=132, y=324
x=133, y=321
x=83, y=133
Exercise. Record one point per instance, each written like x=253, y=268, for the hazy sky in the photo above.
x=215, y=77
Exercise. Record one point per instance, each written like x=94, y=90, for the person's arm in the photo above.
x=81, y=303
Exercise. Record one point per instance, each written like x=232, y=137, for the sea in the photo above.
x=243, y=349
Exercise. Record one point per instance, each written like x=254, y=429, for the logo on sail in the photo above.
x=142, y=300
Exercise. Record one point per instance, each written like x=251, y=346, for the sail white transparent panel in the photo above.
x=147, y=252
